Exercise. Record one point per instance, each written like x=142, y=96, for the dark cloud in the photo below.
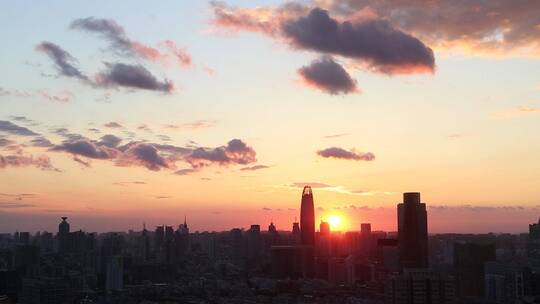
x=144, y=127
x=382, y=47
x=65, y=63
x=235, y=152
x=335, y=152
x=495, y=26
x=329, y=76
x=145, y=155
x=64, y=132
x=109, y=30
x=372, y=42
x=185, y=171
x=94, y=130
x=86, y=148
x=85, y=163
x=11, y=128
x=113, y=124
x=41, y=141
x=110, y=141
x=266, y=209
x=254, y=168
x=131, y=76
x=129, y=183
x=164, y=137
x=42, y=162
x=5, y=142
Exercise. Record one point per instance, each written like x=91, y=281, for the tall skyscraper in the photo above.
x=307, y=218
x=412, y=232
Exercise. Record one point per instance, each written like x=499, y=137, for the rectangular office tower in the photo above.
x=412, y=232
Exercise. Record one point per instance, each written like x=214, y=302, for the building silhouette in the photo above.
x=307, y=218
x=412, y=232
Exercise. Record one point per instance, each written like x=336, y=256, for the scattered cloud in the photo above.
x=336, y=135
x=254, y=168
x=62, y=97
x=185, y=171
x=122, y=45
x=42, y=162
x=9, y=205
x=329, y=76
x=455, y=135
x=340, y=153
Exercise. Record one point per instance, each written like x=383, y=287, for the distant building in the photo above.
x=533, y=244
x=412, y=232
x=115, y=274
x=291, y=261
x=420, y=286
x=506, y=282
x=469, y=260
x=324, y=228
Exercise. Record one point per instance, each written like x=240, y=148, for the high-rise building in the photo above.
x=412, y=232
x=307, y=218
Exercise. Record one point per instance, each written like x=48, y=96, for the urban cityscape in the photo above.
x=270, y=151
x=257, y=265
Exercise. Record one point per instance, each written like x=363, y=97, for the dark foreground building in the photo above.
x=412, y=232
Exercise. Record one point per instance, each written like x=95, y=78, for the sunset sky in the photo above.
x=115, y=113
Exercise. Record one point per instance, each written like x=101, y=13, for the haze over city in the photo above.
x=117, y=114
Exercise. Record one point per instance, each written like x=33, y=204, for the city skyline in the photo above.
x=210, y=109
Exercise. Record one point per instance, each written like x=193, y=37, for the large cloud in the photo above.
x=372, y=42
x=376, y=42
x=487, y=27
x=335, y=152
x=327, y=75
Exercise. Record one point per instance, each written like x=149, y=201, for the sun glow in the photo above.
x=335, y=222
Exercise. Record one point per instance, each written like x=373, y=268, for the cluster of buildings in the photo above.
x=304, y=265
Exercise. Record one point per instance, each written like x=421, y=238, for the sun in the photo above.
x=334, y=221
